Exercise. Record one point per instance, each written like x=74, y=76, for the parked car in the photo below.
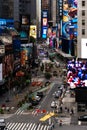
x=53, y=104
x=33, y=101
x=40, y=94
x=38, y=98
x=82, y=118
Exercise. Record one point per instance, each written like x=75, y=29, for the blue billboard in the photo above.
x=7, y=22
x=69, y=23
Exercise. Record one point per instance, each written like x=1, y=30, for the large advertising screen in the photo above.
x=33, y=31
x=44, y=20
x=26, y=51
x=69, y=23
x=77, y=73
x=6, y=22
x=25, y=26
x=25, y=20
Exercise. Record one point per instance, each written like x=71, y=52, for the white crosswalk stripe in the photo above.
x=19, y=112
x=35, y=113
x=26, y=126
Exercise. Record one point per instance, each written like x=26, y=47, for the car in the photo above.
x=2, y=124
x=40, y=94
x=53, y=104
x=57, y=94
x=37, y=98
x=82, y=118
x=33, y=101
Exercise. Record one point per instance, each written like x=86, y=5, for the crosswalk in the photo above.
x=26, y=126
x=19, y=112
x=36, y=113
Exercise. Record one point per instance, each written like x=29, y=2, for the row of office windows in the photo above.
x=83, y=20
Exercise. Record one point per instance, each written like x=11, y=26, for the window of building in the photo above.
x=83, y=22
x=83, y=31
x=83, y=12
x=83, y=3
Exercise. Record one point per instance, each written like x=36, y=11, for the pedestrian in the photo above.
x=52, y=125
x=71, y=111
x=61, y=109
x=60, y=123
x=68, y=110
x=65, y=109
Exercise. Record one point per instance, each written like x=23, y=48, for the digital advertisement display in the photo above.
x=6, y=22
x=44, y=23
x=23, y=34
x=69, y=23
x=33, y=31
x=77, y=73
x=16, y=47
x=25, y=20
x=25, y=26
x=26, y=51
x=44, y=32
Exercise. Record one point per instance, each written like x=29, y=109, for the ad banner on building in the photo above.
x=44, y=23
x=33, y=31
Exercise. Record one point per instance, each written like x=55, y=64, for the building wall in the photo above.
x=38, y=18
x=53, y=11
x=6, y=9
x=45, y=4
x=80, y=26
x=24, y=7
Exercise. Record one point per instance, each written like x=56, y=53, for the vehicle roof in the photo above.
x=2, y=120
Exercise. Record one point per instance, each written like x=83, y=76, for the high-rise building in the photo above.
x=82, y=29
x=52, y=12
x=44, y=4
x=24, y=7
x=6, y=8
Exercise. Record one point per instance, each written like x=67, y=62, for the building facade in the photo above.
x=82, y=31
x=6, y=8
x=24, y=7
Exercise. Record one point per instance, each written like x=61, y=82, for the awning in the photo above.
x=46, y=117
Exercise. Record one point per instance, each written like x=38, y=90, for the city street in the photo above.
x=30, y=120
